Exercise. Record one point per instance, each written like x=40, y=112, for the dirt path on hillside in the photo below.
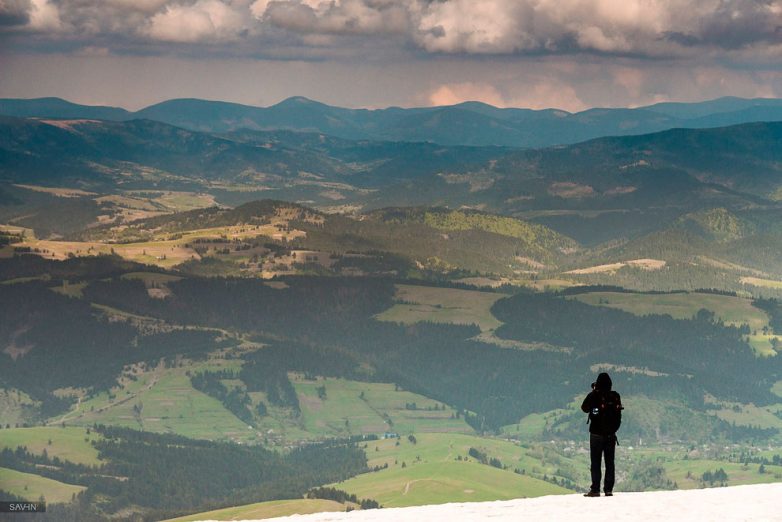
x=68, y=416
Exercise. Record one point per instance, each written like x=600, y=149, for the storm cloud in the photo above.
x=570, y=54
x=645, y=28
x=641, y=27
x=14, y=12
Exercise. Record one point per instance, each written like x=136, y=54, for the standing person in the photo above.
x=604, y=407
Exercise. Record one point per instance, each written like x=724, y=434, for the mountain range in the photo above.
x=469, y=123
x=320, y=306
x=676, y=195
x=664, y=174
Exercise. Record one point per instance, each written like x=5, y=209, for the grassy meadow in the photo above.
x=735, y=311
x=69, y=443
x=764, y=283
x=32, y=487
x=443, y=305
x=761, y=344
x=732, y=310
x=162, y=400
x=352, y=407
x=436, y=468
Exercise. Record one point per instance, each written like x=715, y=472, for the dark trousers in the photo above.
x=600, y=446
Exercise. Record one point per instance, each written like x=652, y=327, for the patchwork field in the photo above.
x=131, y=205
x=179, y=201
x=160, y=253
x=688, y=473
x=456, y=306
x=443, y=305
x=684, y=466
x=164, y=250
x=163, y=401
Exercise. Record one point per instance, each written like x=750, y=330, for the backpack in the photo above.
x=606, y=414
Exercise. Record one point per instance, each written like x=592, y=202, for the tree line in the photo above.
x=162, y=475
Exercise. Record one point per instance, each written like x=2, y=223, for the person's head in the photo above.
x=603, y=382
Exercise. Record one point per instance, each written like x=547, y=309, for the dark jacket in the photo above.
x=604, y=407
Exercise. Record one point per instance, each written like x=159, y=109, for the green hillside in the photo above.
x=421, y=380
x=166, y=402
x=402, y=240
x=624, y=186
x=717, y=224
x=732, y=310
x=67, y=443
x=32, y=487
x=411, y=323
x=531, y=236
x=437, y=468
x=442, y=305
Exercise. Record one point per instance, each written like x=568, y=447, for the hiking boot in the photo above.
x=609, y=494
x=592, y=494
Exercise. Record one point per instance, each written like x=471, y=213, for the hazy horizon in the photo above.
x=230, y=307
x=377, y=53
x=372, y=108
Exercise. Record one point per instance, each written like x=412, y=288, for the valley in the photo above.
x=204, y=321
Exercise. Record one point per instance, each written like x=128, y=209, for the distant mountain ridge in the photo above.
x=469, y=123
x=604, y=189
x=52, y=107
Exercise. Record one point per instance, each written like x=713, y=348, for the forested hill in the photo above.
x=452, y=239
x=206, y=305
x=330, y=324
x=744, y=158
x=649, y=178
x=148, y=476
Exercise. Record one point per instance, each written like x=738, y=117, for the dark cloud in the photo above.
x=742, y=23
x=651, y=28
x=685, y=40
x=342, y=17
x=14, y=12
x=569, y=54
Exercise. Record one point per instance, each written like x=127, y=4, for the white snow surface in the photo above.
x=751, y=503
